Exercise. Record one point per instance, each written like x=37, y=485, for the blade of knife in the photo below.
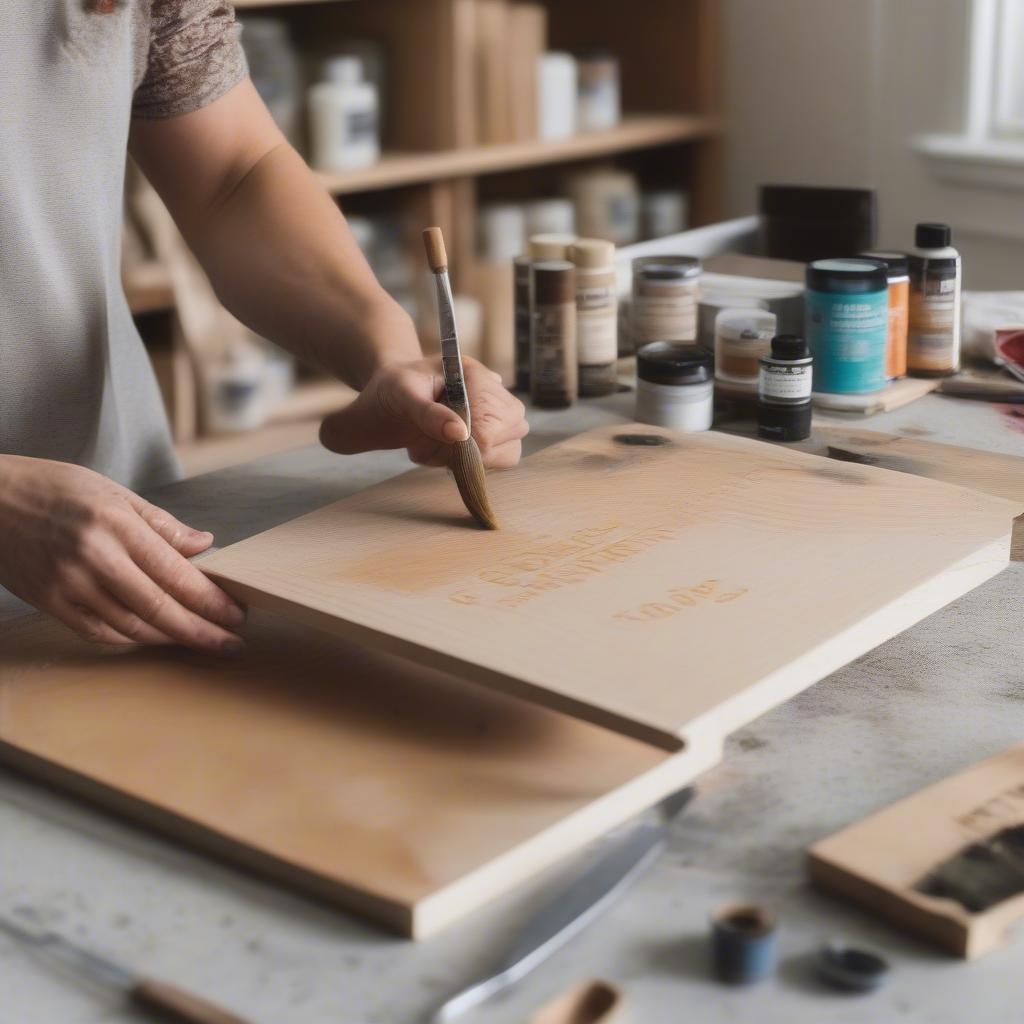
x=98, y=968
x=565, y=914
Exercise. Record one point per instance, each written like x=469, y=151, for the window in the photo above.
x=989, y=152
x=1008, y=99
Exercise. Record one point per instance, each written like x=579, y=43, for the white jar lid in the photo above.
x=345, y=70
x=745, y=324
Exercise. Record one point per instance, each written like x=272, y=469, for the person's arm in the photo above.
x=281, y=258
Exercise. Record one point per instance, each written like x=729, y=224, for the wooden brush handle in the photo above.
x=169, y=1003
x=433, y=242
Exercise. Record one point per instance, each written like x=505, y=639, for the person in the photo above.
x=82, y=426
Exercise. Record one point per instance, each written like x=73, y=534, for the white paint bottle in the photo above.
x=556, y=96
x=343, y=118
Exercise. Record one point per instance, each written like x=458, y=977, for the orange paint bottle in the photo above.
x=899, y=310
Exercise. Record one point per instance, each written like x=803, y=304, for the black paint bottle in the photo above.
x=784, y=390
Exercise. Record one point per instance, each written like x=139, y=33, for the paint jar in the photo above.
x=343, y=123
x=556, y=96
x=597, y=317
x=663, y=306
x=742, y=337
x=521, y=320
x=674, y=386
x=607, y=204
x=598, y=93
x=899, y=308
x=847, y=324
x=502, y=232
x=550, y=217
x=235, y=392
x=933, y=340
x=553, y=369
x=784, y=390
x=550, y=247
x=663, y=213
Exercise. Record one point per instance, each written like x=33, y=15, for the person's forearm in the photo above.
x=283, y=260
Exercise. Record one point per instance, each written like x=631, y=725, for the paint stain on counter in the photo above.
x=1013, y=417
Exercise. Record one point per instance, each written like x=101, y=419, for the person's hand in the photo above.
x=106, y=563
x=400, y=408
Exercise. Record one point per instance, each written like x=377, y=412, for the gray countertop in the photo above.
x=945, y=693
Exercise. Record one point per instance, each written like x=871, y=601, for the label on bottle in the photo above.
x=933, y=339
x=597, y=318
x=553, y=374
x=361, y=127
x=664, y=311
x=521, y=335
x=785, y=383
x=848, y=335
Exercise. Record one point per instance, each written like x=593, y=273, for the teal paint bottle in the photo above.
x=847, y=324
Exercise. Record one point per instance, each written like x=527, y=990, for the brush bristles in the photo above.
x=467, y=466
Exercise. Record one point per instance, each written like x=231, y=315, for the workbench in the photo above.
x=946, y=693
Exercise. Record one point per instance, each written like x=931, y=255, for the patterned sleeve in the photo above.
x=194, y=57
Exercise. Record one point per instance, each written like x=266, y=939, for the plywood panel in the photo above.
x=662, y=589
x=403, y=794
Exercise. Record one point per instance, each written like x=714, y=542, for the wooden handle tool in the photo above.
x=466, y=463
x=169, y=1003
x=158, y=999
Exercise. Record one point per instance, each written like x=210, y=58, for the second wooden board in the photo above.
x=651, y=582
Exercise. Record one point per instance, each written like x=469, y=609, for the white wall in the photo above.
x=831, y=92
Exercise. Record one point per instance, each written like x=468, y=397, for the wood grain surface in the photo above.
x=393, y=790
x=649, y=587
x=989, y=472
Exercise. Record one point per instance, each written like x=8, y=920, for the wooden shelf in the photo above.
x=312, y=399
x=636, y=132
x=147, y=287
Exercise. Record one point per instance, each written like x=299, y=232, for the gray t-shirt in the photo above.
x=76, y=383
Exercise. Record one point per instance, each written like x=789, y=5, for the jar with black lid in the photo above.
x=674, y=386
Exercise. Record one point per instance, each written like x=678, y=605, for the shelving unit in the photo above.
x=434, y=170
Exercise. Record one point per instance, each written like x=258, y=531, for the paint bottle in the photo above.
x=607, y=202
x=521, y=320
x=742, y=337
x=674, y=386
x=551, y=216
x=502, y=231
x=933, y=341
x=663, y=213
x=899, y=307
x=553, y=369
x=847, y=324
x=784, y=390
x=597, y=316
x=550, y=247
x=556, y=96
x=343, y=117
x=664, y=299
x=598, y=99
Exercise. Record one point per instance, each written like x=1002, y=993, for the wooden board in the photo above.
x=659, y=589
x=989, y=472
x=893, y=396
x=405, y=795
x=881, y=861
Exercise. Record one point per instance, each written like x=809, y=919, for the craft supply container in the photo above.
x=663, y=305
x=674, y=386
x=742, y=337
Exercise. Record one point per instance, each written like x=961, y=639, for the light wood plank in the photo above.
x=656, y=589
x=397, y=792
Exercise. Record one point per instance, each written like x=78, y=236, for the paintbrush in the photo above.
x=157, y=998
x=466, y=463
